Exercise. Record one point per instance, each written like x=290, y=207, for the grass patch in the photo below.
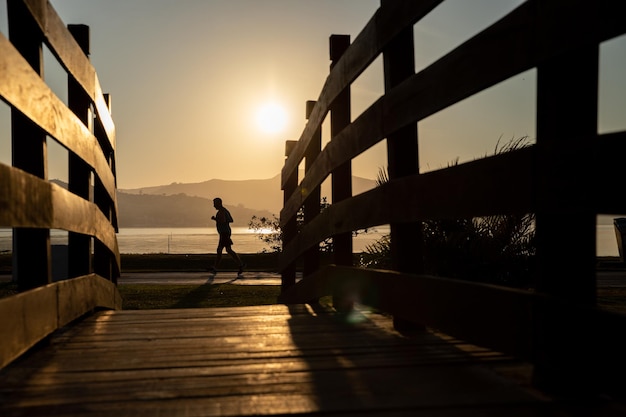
x=155, y=296
x=159, y=262
x=159, y=296
x=163, y=262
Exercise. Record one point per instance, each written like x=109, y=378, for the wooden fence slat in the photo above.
x=79, y=172
x=19, y=84
x=380, y=30
x=72, y=58
x=567, y=122
x=363, y=133
x=569, y=177
x=462, y=191
x=608, y=173
x=312, y=203
x=290, y=226
x=29, y=152
x=74, y=214
x=32, y=315
x=341, y=177
x=471, y=67
x=30, y=202
x=419, y=297
x=28, y=317
x=510, y=331
x=406, y=239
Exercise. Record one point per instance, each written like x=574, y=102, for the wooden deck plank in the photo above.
x=251, y=361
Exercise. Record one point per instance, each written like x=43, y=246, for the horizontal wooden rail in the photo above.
x=568, y=177
x=32, y=315
x=466, y=310
x=419, y=298
x=378, y=32
x=24, y=89
x=461, y=191
x=464, y=191
x=479, y=63
x=73, y=59
x=30, y=202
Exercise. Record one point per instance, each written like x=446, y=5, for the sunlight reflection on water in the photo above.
x=204, y=240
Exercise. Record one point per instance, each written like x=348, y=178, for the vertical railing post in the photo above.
x=31, y=247
x=79, y=245
x=407, y=240
x=103, y=259
x=290, y=228
x=341, y=176
x=567, y=97
x=312, y=201
x=402, y=151
x=102, y=262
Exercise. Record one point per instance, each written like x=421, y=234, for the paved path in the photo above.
x=606, y=279
x=199, y=278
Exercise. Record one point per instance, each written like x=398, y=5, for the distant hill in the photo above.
x=191, y=204
x=262, y=194
x=179, y=210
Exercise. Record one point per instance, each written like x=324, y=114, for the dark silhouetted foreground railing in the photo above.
x=32, y=205
x=566, y=179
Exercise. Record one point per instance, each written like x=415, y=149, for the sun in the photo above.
x=271, y=118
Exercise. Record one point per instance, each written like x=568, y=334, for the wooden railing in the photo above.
x=32, y=205
x=566, y=179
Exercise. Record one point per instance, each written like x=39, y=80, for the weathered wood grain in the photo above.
x=23, y=89
x=32, y=315
x=478, y=64
x=73, y=59
x=255, y=360
x=469, y=306
x=462, y=191
x=380, y=30
x=30, y=202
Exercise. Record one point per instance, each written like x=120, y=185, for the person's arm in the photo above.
x=220, y=217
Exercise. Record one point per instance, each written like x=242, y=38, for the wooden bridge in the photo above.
x=436, y=346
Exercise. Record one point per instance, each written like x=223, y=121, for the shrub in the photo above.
x=496, y=249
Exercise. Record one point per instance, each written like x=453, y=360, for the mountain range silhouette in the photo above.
x=190, y=204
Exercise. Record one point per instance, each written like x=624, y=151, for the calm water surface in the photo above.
x=204, y=240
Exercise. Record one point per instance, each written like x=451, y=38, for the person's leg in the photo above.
x=234, y=255
x=218, y=257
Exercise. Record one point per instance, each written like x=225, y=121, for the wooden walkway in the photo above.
x=265, y=360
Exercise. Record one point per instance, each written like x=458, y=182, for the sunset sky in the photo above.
x=194, y=84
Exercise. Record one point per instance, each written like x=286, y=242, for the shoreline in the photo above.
x=260, y=262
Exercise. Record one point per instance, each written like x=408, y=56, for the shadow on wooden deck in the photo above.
x=270, y=360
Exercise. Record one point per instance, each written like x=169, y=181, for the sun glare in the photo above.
x=271, y=118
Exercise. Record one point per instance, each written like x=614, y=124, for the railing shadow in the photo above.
x=200, y=294
x=355, y=363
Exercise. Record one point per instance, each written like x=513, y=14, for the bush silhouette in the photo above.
x=496, y=249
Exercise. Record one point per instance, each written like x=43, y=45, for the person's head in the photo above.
x=217, y=202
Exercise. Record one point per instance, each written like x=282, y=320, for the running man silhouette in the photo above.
x=222, y=223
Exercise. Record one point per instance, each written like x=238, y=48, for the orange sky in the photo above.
x=188, y=78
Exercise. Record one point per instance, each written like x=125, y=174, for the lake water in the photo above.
x=187, y=240
x=204, y=240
